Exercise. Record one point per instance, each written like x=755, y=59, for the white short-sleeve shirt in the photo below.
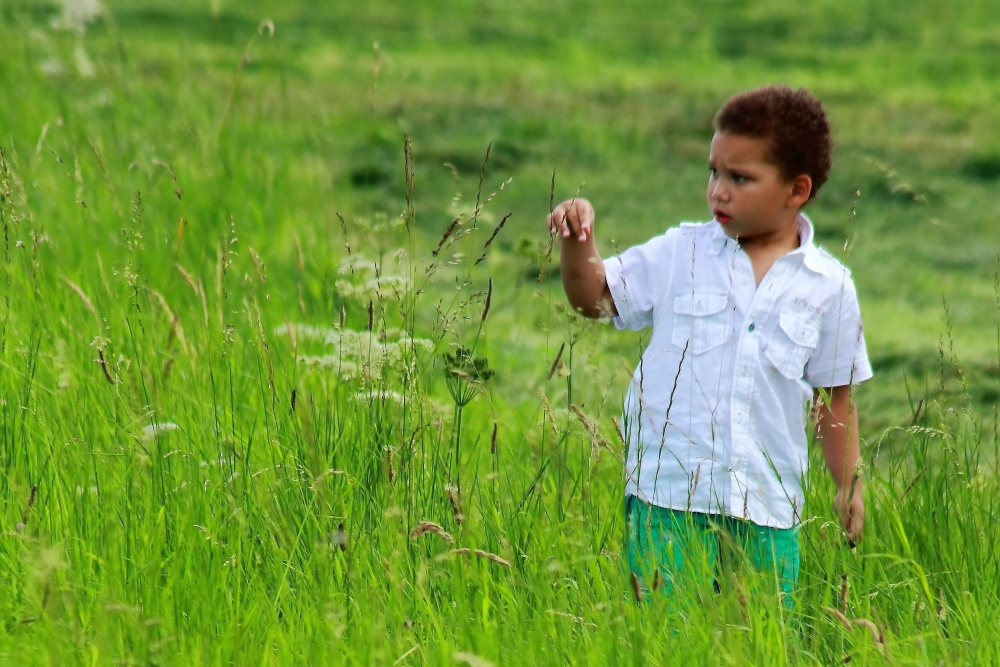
x=716, y=413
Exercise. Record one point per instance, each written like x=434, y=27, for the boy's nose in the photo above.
x=719, y=192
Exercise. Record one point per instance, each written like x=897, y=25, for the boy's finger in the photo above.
x=555, y=219
x=550, y=222
x=572, y=223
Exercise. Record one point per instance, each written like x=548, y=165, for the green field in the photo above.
x=228, y=301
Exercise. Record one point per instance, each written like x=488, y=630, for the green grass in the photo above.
x=271, y=526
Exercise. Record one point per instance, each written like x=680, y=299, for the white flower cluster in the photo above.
x=383, y=288
x=364, y=354
x=364, y=282
x=76, y=14
x=150, y=432
x=304, y=331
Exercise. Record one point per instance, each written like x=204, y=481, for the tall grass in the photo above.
x=226, y=445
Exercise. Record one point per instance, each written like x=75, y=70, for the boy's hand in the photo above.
x=850, y=507
x=572, y=217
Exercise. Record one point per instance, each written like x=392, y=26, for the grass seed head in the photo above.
x=431, y=527
x=636, y=587
x=456, y=507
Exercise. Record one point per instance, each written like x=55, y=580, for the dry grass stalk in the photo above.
x=347, y=244
x=188, y=278
x=576, y=619
x=489, y=298
x=596, y=441
x=636, y=587
x=456, y=507
x=496, y=231
x=204, y=301
x=491, y=557
x=339, y=538
x=299, y=257
x=878, y=637
x=548, y=415
x=618, y=429
x=479, y=189
x=388, y=461
x=431, y=527
x=555, y=362
x=466, y=551
x=175, y=325
x=258, y=265
x=447, y=233
x=407, y=654
x=32, y=497
x=83, y=295
x=843, y=593
x=471, y=659
x=104, y=365
x=493, y=440
x=846, y=622
x=293, y=337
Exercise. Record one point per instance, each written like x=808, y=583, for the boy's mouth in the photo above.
x=721, y=217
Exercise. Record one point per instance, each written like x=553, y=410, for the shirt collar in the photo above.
x=807, y=249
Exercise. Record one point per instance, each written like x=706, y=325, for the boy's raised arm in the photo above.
x=580, y=263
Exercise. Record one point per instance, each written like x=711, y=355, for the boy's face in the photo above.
x=747, y=193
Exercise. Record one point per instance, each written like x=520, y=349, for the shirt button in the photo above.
x=751, y=327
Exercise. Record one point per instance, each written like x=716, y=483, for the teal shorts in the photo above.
x=694, y=547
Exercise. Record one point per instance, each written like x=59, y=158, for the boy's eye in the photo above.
x=739, y=178
x=714, y=171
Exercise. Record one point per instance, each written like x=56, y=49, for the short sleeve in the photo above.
x=638, y=277
x=840, y=357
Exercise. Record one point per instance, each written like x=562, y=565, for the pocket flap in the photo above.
x=801, y=332
x=700, y=304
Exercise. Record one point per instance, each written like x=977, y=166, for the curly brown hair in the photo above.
x=793, y=121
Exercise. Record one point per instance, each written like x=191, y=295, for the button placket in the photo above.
x=747, y=352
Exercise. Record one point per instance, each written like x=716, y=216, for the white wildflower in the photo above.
x=366, y=353
x=355, y=264
x=365, y=280
x=84, y=66
x=305, y=331
x=382, y=396
x=77, y=14
x=50, y=67
x=153, y=430
x=383, y=288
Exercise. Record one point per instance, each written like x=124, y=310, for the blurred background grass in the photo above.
x=617, y=98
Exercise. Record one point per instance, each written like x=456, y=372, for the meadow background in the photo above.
x=231, y=317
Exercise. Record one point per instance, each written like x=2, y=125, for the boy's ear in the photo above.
x=801, y=189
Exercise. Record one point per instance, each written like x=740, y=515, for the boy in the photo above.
x=751, y=323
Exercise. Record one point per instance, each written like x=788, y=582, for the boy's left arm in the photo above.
x=837, y=431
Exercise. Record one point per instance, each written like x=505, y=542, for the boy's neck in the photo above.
x=765, y=249
x=782, y=240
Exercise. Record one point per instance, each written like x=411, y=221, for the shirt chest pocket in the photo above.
x=792, y=344
x=701, y=321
